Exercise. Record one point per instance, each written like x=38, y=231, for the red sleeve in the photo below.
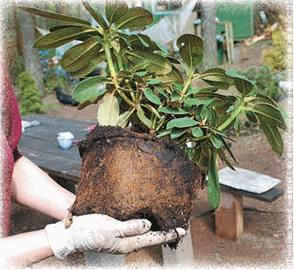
x=10, y=134
x=11, y=120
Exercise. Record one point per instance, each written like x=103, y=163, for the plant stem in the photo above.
x=106, y=46
x=234, y=114
x=185, y=89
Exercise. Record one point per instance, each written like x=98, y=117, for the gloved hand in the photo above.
x=102, y=233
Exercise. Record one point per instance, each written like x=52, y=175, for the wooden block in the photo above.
x=229, y=216
x=147, y=257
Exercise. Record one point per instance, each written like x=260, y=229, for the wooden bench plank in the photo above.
x=55, y=165
x=268, y=196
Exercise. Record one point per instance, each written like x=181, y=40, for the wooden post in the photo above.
x=229, y=216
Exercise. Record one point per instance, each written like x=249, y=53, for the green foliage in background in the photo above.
x=266, y=81
x=30, y=96
x=275, y=56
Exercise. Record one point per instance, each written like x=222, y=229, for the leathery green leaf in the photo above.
x=134, y=17
x=108, y=111
x=215, y=141
x=170, y=110
x=149, y=94
x=213, y=187
x=96, y=15
x=197, y=132
x=123, y=118
x=89, y=89
x=271, y=113
x=155, y=63
x=273, y=136
x=181, y=123
x=114, y=10
x=63, y=36
x=94, y=62
x=143, y=118
x=191, y=49
x=54, y=16
x=217, y=77
x=176, y=133
x=80, y=55
x=243, y=85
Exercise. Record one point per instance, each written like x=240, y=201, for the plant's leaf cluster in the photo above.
x=146, y=89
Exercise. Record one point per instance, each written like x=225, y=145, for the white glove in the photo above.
x=102, y=233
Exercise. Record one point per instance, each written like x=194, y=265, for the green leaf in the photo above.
x=153, y=81
x=176, y=133
x=54, y=16
x=63, y=36
x=212, y=95
x=138, y=43
x=217, y=77
x=134, y=17
x=197, y=132
x=213, y=187
x=155, y=63
x=243, y=85
x=90, y=89
x=94, y=62
x=149, y=94
x=173, y=60
x=169, y=110
x=122, y=119
x=273, y=136
x=271, y=114
x=265, y=99
x=152, y=46
x=223, y=157
x=152, y=110
x=188, y=102
x=108, y=111
x=237, y=126
x=80, y=55
x=202, y=155
x=86, y=103
x=172, y=77
x=191, y=49
x=143, y=118
x=95, y=14
x=201, y=89
x=222, y=134
x=251, y=116
x=228, y=149
x=115, y=10
x=181, y=123
x=216, y=142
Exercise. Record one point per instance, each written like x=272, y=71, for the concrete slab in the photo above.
x=247, y=180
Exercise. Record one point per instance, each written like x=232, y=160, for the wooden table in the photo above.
x=40, y=145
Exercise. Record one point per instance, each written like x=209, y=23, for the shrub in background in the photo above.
x=31, y=101
x=275, y=56
x=266, y=81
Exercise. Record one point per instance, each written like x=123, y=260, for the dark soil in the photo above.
x=129, y=175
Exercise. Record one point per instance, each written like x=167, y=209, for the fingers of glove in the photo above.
x=136, y=243
x=133, y=227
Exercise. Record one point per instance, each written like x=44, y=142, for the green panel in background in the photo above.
x=241, y=16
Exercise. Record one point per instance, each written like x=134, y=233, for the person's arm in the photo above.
x=24, y=249
x=32, y=187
